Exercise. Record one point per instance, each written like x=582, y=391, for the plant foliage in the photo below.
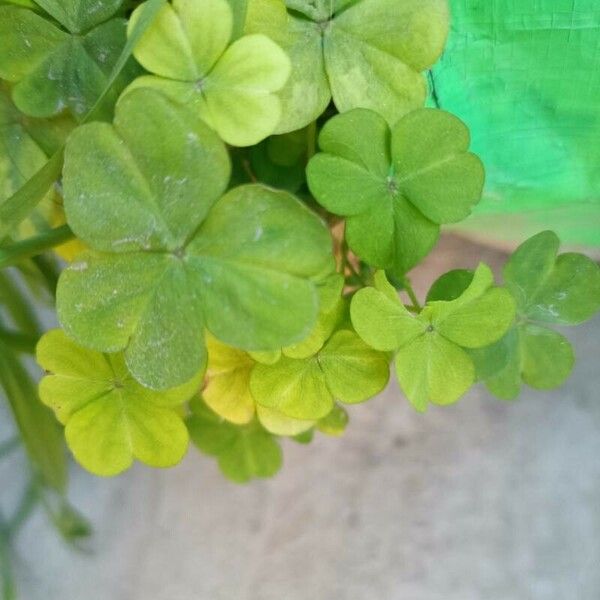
x=245, y=186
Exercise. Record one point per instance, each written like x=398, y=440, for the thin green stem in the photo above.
x=28, y=502
x=35, y=245
x=411, y=294
x=21, y=342
x=6, y=577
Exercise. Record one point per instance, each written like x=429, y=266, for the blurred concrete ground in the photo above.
x=483, y=500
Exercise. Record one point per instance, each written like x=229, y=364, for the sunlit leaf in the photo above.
x=431, y=362
x=109, y=418
x=247, y=258
x=232, y=87
x=367, y=54
x=345, y=369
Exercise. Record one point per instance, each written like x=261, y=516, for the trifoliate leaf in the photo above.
x=243, y=452
x=227, y=391
x=334, y=423
x=396, y=187
x=232, y=87
x=547, y=288
x=109, y=418
x=536, y=355
x=169, y=257
x=431, y=364
x=53, y=69
x=78, y=16
x=345, y=369
x=479, y=316
x=367, y=54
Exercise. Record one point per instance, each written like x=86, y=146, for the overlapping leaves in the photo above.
x=170, y=256
x=243, y=452
x=367, y=54
x=109, y=418
x=344, y=369
x=431, y=362
x=549, y=289
x=395, y=187
x=64, y=63
x=231, y=86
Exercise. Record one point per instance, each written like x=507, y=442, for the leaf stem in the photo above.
x=28, y=501
x=7, y=590
x=411, y=294
x=34, y=245
x=20, y=342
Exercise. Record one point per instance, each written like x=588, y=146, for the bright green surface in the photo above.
x=524, y=75
x=109, y=418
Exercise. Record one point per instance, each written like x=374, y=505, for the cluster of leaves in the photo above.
x=240, y=182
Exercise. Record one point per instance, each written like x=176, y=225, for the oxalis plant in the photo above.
x=237, y=192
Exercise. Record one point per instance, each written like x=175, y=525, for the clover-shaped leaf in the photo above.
x=109, y=418
x=396, y=187
x=232, y=87
x=243, y=452
x=345, y=369
x=367, y=54
x=548, y=289
x=169, y=257
x=54, y=68
x=227, y=392
x=431, y=362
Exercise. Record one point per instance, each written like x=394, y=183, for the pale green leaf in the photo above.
x=227, y=391
x=294, y=387
x=345, y=369
x=109, y=418
x=433, y=369
x=279, y=424
x=367, y=54
x=480, y=316
x=335, y=422
x=306, y=93
x=233, y=88
x=353, y=371
x=382, y=322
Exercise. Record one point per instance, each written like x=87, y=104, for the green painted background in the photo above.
x=525, y=76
